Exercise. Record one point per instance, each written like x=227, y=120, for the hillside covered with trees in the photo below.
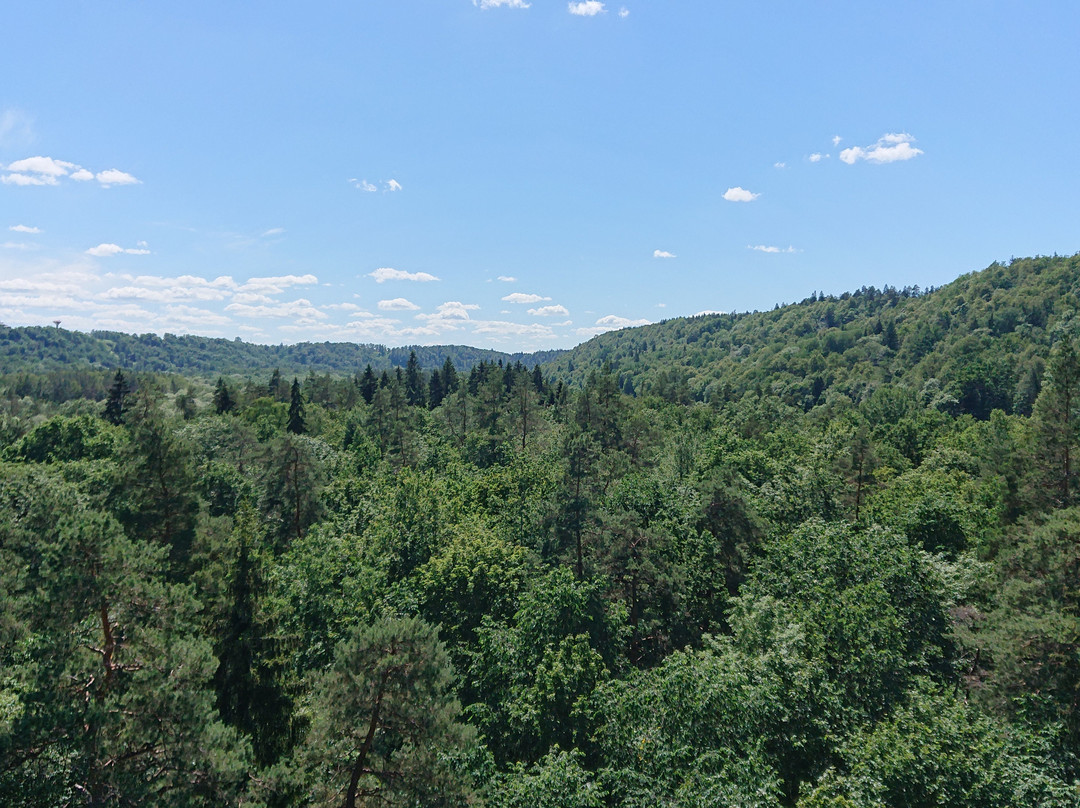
x=39, y=348
x=824, y=556
x=984, y=336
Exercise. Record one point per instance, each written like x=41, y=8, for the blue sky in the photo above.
x=518, y=175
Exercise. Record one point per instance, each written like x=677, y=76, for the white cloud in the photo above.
x=383, y=274
x=42, y=165
x=767, y=249
x=115, y=177
x=502, y=329
x=450, y=310
x=624, y=12
x=398, y=304
x=182, y=288
x=587, y=8
x=779, y=165
x=836, y=140
x=393, y=185
x=363, y=185
x=610, y=322
x=22, y=228
x=521, y=297
x=817, y=157
x=620, y=322
x=273, y=231
x=507, y=279
x=41, y=170
x=300, y=311
x=26, y=179
x=275, y=285
x=738, y=194
x=703, y=312
x=103, y=250
x=251, y=297
x=662, y=254
x=16, y=245
x=190, y=316
x=501, y=3
x=550, y=311
x=890, y=148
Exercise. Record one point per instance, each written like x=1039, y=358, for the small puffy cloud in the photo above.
x=586, y=8
x=836, y=140
x=890, y=148
x=738, y=194
x=42, y=170
x=46, y=166
x=276, y=284
x=767, y=249
x=28, y=179
x=158, y=289
x=450, y=310
x=393, y=185
x=620, y=322
x=704, y=312
x=103, y=250
x=662, y=254
x=251, y=298
x=300, y=311
x=501, y=4
x=624, y=12
x=817, y=157
x=22, y=228
x=550, y=311
x=611, y=322
x=398, y=304
x=363, y=185
x=115, y=177
x=503, y=330
x=521, y=297
x=779, y=165
x=507, y=279
x=273, y=231
x=383, y=274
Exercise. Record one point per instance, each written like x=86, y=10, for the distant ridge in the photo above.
x=35, y=348
x=979, y=341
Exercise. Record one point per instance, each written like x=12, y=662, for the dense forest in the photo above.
x=826, y=556
x=40, y=348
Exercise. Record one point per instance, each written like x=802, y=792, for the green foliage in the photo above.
x=384, y=721
x=819, y=556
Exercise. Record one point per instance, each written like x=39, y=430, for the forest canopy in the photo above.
x=819, y=556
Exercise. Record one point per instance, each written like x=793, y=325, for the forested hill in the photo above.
x=37, y=348
x=980, y=340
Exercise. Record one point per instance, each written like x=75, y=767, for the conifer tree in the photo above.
x=1056, y=421
x=414, y=382
x=449, y=376
x=118, y=394
x=368, y=384
x=296, y=424
x=223, y=400
x=384, y=718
